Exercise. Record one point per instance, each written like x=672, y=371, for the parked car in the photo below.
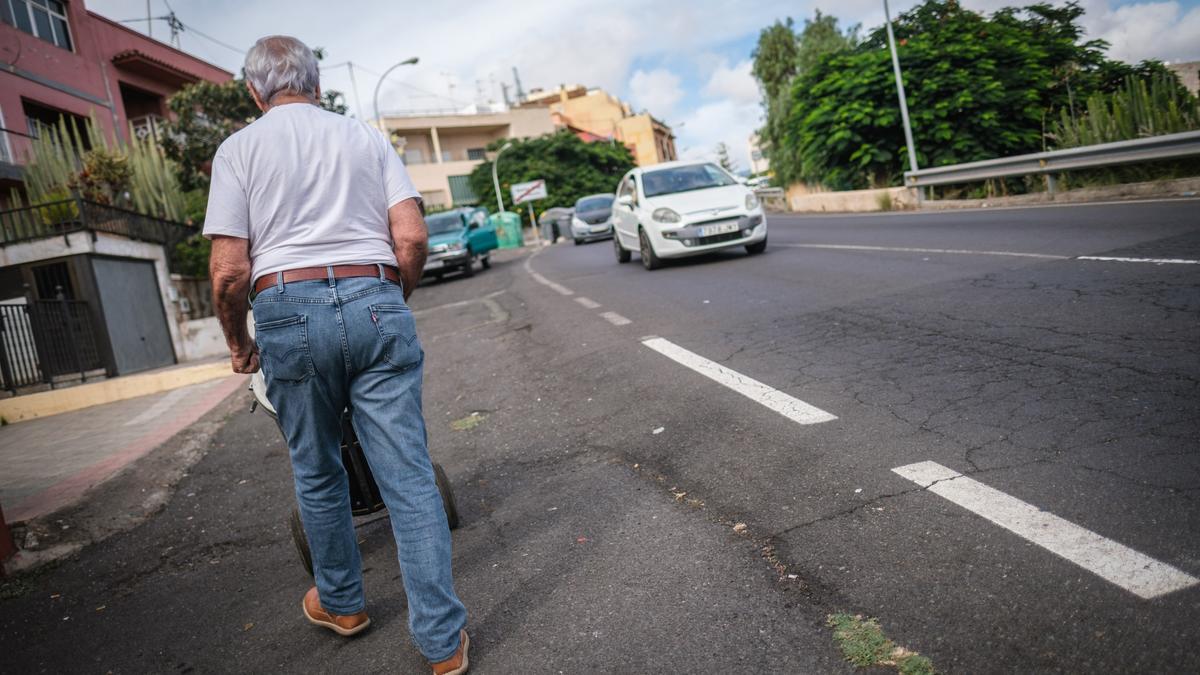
x=680, y=209
x=593, y=218
x=457, y=238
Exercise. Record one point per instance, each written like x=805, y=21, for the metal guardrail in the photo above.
x=1154, y=148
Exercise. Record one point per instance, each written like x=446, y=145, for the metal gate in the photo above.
x=46, y=340
x=133, y=312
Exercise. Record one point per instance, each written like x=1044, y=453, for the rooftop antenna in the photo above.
x=504, y=93
x=517, y=80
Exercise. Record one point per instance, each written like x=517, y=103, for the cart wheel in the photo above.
x=443, y=484
x=300, y=540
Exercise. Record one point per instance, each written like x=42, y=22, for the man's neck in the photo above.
x=289, y=99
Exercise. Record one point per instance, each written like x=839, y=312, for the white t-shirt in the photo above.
x=308, y=188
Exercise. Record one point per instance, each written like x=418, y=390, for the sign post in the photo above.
x=527, y=192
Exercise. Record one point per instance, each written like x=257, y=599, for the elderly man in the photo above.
x=315, y=222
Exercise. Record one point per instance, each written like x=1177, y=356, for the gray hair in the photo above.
x=278, y=64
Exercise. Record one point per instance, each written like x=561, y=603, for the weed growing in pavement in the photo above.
x=469, y=422
x=863, y=643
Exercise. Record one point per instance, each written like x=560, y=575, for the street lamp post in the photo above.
x=405, y=62
x=908, y=137
x=495, y=179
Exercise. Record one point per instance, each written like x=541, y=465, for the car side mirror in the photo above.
x=473, y=226
x=625, y=200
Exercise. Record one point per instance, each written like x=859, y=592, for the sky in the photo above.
x=687, y=62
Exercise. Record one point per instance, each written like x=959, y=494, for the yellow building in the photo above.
x=440, y=151
x=595, y=114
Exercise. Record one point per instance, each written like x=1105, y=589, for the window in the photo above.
x=684, y=179
x=476, y=153
x=446, y=156
x=5, y=148
x=46, y=19
x=414, y=156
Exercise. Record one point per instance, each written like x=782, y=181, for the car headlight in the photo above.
x=455, y=246
x=751, y=201
x=665, y=215
x=576, y=222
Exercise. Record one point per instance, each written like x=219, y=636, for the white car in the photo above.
x=680, y=209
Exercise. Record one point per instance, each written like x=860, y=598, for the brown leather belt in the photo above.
x=339, y=272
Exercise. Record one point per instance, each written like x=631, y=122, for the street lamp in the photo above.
x=405, y=62
x=495, y=179
x=912, y=151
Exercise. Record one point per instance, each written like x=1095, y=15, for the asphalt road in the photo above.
x=602, y=483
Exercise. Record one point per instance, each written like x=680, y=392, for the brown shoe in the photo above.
x=342, y=625
x=456, y=664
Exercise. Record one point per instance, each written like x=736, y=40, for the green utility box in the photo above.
x=508, y=229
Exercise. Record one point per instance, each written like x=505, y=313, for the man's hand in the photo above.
x=410, y=242
x=245, y=359
x=229, y=270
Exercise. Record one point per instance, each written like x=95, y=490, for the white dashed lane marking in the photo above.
x=587, y=302
x=790, y=407
x=1153, y=261
x=615, y=319
x=1137, y=573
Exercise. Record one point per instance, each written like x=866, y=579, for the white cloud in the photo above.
x=656, y=91
x=736, y=83
x=724, y=121
x=1154, y=30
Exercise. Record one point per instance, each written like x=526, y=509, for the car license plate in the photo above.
x=600, y=228
x=718, y=228
x=435, y=264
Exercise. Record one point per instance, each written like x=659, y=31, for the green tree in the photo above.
x=571, y=168
x=978, y=87
x=724, y=159
x=779, y=58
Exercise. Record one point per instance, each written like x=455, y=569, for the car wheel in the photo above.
x=756, y=248
x=623, y=256
x=578, y=241
x=469, y=268
x=486, y=261
x=649, y=260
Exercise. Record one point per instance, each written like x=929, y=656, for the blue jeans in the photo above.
x=333, y=344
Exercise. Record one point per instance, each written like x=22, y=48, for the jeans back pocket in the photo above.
x=397, y=335
x=283, y=349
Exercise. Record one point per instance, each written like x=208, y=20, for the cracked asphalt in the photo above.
x=600, y=491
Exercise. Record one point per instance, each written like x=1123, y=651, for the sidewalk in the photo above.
x=50, y=462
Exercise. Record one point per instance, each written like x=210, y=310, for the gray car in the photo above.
x=593, y=218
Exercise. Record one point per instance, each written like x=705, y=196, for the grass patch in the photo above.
x=469, y=422
x=863, y=643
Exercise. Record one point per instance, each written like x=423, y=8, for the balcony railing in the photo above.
x=65, y=217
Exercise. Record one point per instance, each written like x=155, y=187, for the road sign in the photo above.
x=527, y=192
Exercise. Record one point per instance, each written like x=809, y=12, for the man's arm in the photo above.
x=229, y=270
x=410, y=242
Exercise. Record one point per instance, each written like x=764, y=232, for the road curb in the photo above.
x=46, y=403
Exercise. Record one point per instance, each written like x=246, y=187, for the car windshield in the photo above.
x=441, y=223
x=593, y=204
x=683, y=179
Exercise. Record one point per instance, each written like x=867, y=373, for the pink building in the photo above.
x=57, y=58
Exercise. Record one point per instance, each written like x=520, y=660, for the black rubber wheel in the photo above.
x=468, y=270
x=486, y=261
x=649, y=260
x=443, y=484
x=578, y=241
x=300, y=540
x=623, y=256
x=755, y=249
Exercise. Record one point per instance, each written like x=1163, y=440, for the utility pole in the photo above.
x=149, y=21
x=496, y=180
x=378, y=119
x=354, y=86
x=908, y=137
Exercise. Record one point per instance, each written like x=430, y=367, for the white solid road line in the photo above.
x=587, y=302
x=792, y=408
x=898, y=249
x=615, y=319
x=1139, y=574
x=1155, y=261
